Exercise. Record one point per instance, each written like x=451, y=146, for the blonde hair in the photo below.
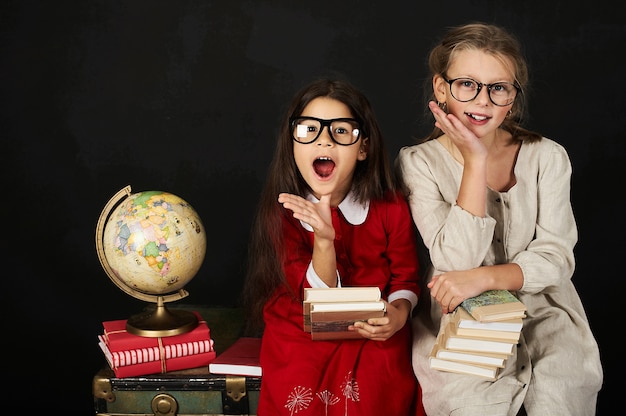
x=493, y=40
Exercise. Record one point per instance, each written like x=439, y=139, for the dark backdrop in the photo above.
x=185, y=97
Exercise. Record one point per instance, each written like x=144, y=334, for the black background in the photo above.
x=186, y=96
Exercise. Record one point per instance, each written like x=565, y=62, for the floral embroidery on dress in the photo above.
x=350, y=389
x=300, y=397
x=328, y=399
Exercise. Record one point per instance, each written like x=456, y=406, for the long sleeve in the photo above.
x=545, y=252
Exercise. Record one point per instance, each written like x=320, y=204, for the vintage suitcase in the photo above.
x=177, y=393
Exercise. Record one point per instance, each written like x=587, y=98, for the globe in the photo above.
x=151, y=244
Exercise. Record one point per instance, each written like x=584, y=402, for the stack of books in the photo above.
x=328, y=312
x=479, y=336
x=131, y=355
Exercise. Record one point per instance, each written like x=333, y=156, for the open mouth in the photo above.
x=323, y=166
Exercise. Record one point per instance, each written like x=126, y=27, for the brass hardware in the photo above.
x=101, y=386
x=164, y=405
x=236, y=387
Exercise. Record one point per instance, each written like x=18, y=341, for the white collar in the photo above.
x=352, y=210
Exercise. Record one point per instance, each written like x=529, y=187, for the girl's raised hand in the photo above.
x=318, y=216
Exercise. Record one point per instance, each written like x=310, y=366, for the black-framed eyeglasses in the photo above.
x=343, y=131
x=466, y=89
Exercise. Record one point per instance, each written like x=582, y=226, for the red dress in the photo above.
x=347, y=377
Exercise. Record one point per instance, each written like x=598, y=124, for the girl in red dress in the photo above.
x=330, y=215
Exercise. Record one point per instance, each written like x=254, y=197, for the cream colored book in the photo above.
x=339, y=298
x=508, y=336
x=463, y=319
x=342, y=294
x=472, y=362
x=340, y=312
x=488, y=372
x=480, y=358
x=378, y=305
x=452, y=341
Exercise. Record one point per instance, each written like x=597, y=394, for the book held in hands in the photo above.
x=467, y=345
x=328, y=312
x=465, y=320
x=336, y=296
x=494, y=305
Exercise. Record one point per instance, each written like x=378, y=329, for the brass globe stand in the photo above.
x=161, y=321
x=156, y=320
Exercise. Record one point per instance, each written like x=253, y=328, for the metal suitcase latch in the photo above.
x=235, y=399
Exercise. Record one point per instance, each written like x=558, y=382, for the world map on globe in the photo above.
x=154, y=242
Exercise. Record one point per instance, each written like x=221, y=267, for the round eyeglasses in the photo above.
x=343, y=131
x=466, y=89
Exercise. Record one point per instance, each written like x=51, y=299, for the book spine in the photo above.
x=306, y=316
x=142, y=355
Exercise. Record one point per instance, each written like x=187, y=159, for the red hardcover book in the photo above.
x=142, y=355
x=117, y=338
x=241, y=358
x=160, y=366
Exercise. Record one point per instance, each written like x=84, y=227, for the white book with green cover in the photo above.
x=494, y=305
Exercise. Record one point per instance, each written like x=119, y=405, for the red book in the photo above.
x=117, y=338
x=160, y=366
x=242, y=358
x=142, y=355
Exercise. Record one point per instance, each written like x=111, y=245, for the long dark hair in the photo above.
x=373, y=179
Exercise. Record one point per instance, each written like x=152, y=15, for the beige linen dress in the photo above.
x=556, y=368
